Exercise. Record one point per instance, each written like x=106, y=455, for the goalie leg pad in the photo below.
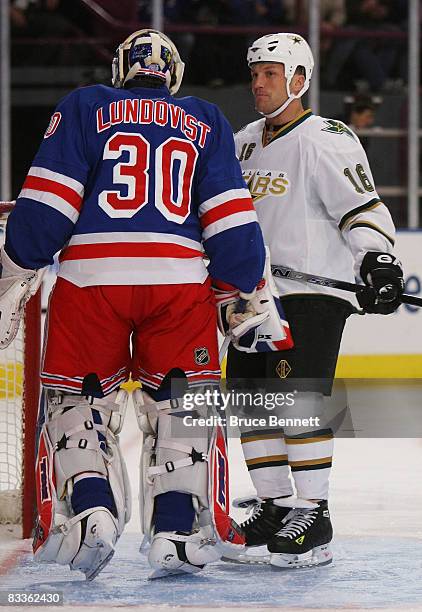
x=189, y=460
x=173, y=455
x=85, y=540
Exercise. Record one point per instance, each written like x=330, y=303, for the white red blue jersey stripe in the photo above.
x=54, y=189
x=227, y=210
x=132, y=258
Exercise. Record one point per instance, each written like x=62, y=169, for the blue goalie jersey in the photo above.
x=134, y=187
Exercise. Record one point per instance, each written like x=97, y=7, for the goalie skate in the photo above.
x=163, y=573
x=173, y=553
x=97, y=548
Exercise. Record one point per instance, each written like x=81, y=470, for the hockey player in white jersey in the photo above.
x=320, y=213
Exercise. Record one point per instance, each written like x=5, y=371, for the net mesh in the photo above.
x=11, y=423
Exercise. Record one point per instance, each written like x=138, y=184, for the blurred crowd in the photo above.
x=215, y=57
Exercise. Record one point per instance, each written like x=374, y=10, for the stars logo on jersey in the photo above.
x=337, y=127
x=263, y=183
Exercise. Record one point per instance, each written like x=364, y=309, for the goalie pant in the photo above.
x=100, y=322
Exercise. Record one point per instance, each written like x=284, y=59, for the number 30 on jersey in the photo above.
x=175, y=161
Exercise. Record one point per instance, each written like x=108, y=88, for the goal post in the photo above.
x=19, y=401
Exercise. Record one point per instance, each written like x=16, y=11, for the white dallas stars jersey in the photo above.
x=315, y=199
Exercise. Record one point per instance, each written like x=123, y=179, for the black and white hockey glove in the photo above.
x=383, y=275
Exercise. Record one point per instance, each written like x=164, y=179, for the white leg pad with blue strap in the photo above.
x=74, y=442
x=171, y=460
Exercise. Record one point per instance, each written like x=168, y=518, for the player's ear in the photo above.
x=298, y=81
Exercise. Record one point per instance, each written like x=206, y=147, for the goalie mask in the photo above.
x=288, y=49
x=148, y=53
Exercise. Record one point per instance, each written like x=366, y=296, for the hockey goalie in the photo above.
x=132, y=186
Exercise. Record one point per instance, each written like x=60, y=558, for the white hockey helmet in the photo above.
x=288, y=49
x=149, y=53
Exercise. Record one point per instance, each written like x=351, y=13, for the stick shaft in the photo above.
x=323, y=281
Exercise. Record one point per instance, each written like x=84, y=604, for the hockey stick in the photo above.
x=323, y=281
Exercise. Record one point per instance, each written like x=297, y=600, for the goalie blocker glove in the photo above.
x=254, y=322
x=383, y=275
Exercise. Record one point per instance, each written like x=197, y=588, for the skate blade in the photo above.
x=319, y=556
x=145, y=546
x=257, y=555
x=164, y=573
x=91, y=574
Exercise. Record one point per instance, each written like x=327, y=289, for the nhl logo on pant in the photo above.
x=202, y=356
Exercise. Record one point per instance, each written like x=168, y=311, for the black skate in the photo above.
x=265, y=521
x=304, y=539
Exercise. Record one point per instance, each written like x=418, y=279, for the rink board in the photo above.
x=376, y=346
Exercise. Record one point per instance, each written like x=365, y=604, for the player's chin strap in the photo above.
x=280, y=109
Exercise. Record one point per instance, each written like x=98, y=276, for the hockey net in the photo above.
x=19, y=399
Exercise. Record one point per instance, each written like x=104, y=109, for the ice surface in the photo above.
x=365, y=574
x=376, y=505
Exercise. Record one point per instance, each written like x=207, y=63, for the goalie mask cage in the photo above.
x=19, y=400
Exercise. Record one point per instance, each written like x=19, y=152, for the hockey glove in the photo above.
x=237, y=315
x=17, y=286
x=254, y=322
x=383, y=275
